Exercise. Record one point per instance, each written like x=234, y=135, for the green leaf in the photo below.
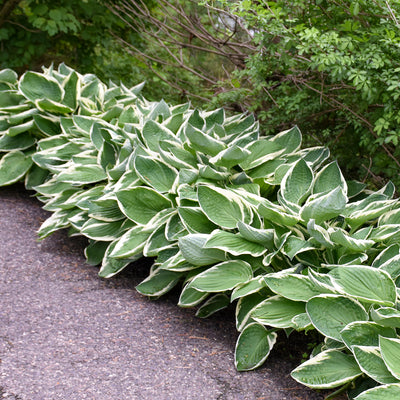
x=212, y=305
x=53, y=107
x=18, y=129
x=385, y=392
x=13, y=167
x=111, y=266
x=223, y=276
x=105, y=210
x=101, y=230
x=20, y=142
x=295, y=245
x=202, y=142
x=230, y=157
x=47, y=125
x=365, y=333
x=341, y=237
x=190, y=297
x=277, y=214
x=371, y=363
x=244, y=308
x=367, y=211
x=158, y=283
x=156, y=242
x=82, y=174
x=193, y=251
x=277, y=311
x=131, y=243
x=322, y=207
x=330, y=313
x=386, y=316
x=9, y=76
x=390, y=350
x=141, y=204
x=35, y=86
x=264, y=237
x=221, y=206
x=71, y=87
x=294, y=287
x=261, y=151
x=296, y=184
x=155, y=173
x=328, y=369
x=364, y=283
x=195, y=220
x=253, y=347
x=329, y=178
x=289, y=140
x=245, y=289
x=233, y=243
x=95, y=251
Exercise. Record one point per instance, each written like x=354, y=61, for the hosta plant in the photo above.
x=226, y=214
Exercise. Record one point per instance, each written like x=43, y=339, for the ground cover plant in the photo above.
x=228, y=215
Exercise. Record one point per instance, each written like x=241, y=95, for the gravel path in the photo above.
x=67, y=334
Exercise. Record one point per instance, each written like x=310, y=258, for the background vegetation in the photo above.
x=331, y=67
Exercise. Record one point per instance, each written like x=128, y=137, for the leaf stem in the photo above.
x=339, y=391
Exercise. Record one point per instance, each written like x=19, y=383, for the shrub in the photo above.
x=226, y=214
x=332, y=68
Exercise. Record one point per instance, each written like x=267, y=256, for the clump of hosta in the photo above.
x=227, y=214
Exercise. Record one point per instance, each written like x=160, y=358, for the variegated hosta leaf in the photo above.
x=244, y=308
x=328, y=369
x=384, y=392
x=329, y=178
x=141, y=204
x=322, y=207
x=82, y=174
x=158, y=283
x=365, y=333
x=245, y=289
x=330, y=313
x=253, y=347
x=294, y=287
x=35, y=86
x=390, y=350
x=365, y=284
x=222, y=206
x=155, y=173
x=223, y=276
x=130, y=243
x=193, y=251
x=371, y=363
x=341, y=237
x=111, y=266
x=191, y=297
x=277, y=214
x=386, y=316
x=200, y=141
x=212, y=305
x=233, y=243
x=277, y=312
x=296, y=185
x=13, y=167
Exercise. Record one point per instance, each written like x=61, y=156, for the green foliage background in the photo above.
x=332, y=67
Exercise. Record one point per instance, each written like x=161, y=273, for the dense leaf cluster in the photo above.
x=226, y=214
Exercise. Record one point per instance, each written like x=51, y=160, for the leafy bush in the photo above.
x=331, y=67
x=228, y=215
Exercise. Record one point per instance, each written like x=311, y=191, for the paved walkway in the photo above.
x=67, y=334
